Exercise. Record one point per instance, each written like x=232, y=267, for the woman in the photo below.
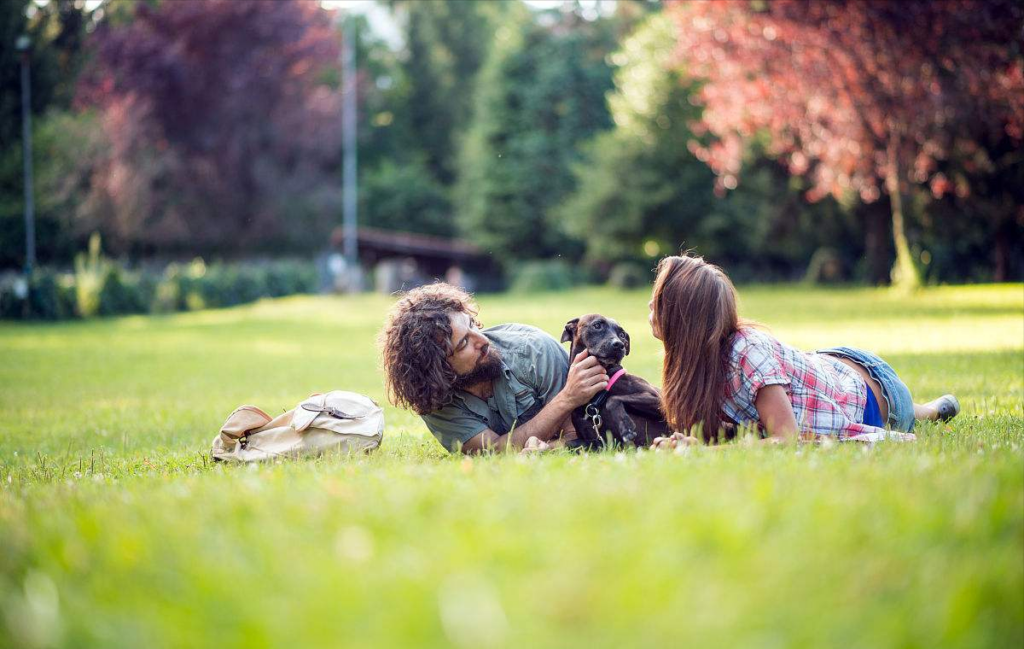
x=719, y=369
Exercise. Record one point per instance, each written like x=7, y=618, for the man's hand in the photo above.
x=586, y=378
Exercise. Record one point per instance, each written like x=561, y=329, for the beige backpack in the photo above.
x=345, y=422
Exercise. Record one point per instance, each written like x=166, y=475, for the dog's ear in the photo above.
x=569, y=334
x=625, y=339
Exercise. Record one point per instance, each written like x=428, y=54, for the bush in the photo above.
x=90, y=272
x=50, y=297
x=122, y=293
x=291, y=277
x=825, y=267
x=547, y=275
x=47, y=296
x=627, y=275
x=101, y=287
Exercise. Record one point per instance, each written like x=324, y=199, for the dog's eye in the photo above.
x=597, y=326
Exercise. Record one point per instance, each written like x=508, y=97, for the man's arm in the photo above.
x=586, y=378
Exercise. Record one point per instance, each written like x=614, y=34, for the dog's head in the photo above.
x=600, y=336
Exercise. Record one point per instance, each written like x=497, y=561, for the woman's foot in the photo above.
x=942, y=409
x=947, y=407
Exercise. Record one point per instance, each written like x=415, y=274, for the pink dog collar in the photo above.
x=615, y=377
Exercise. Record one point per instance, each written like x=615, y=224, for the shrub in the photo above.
x=627, y=275
x=291, y=277
x=122, y=293
x=101, y=287
x=90, y=272
x=825, y=267
x=546, y=275
x=47, y=296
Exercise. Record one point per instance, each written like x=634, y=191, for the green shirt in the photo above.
x=534, y=368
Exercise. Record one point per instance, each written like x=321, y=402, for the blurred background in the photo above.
x=167, y=155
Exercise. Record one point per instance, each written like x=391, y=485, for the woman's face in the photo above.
x=650, y=319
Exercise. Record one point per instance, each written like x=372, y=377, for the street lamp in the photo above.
x=347, y=12
x=349, y=163
x=23, y=45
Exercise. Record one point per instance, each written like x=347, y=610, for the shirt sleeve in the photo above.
x=548, y=368
x=759, y=364
x=453, y=426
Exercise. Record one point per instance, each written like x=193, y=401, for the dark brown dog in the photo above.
x=632, y=412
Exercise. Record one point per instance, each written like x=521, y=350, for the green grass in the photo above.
x=116, y=531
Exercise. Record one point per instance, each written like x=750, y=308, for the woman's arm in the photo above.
x=775, y=411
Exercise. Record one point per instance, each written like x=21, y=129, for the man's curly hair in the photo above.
x=416, y=342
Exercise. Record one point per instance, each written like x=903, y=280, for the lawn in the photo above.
x=116, y=530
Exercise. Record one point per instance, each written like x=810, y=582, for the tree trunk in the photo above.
x=1002, y=251
x=905, y=273
x=876, y=218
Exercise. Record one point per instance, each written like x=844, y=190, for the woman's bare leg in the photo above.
x=928, y=411
x=944, y=408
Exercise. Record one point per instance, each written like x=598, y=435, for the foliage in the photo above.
x=540, y=276
x=47, y=295
x=445, y=45
x=113, y=523
x=642, y=193
x=863, y=96
x=56, y=31
x=638, y=184
x=405, y=197
x=213, y=128
x=123, y=293
x=102, y=287
x=194, y=167
x=91, y=270
x=630, y=275
x=538, y=97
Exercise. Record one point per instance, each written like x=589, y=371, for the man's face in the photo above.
x=472, y=358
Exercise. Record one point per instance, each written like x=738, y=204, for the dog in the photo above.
x=631, y=412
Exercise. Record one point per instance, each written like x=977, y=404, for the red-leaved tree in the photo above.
x=224, y=132
x=862, y=96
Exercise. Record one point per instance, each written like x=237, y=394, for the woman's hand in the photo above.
x=586, y=378
x=675, y=440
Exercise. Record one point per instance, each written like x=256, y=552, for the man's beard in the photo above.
x=486, y=370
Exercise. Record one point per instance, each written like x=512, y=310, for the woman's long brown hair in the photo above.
x=695, y=315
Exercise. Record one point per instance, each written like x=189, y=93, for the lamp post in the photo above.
x=349, y=164
x=24, y=45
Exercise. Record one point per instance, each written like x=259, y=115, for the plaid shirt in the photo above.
x=828, y=396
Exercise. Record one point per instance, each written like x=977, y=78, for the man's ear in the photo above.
x=625, y=339
x=569, y=334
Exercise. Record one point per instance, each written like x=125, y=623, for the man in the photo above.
x=480, y=389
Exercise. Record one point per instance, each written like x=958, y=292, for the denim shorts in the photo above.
x=895, y=392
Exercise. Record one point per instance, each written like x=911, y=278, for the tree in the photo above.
x=539, y=96
x=637, y=184
x=56, y=32
x=862, y=96
x=445, y=45
x=642, y=193
x=225, y=130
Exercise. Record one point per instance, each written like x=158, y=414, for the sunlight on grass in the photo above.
x=119, y=532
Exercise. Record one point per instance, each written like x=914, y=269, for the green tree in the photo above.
x=638, y=183
x=540, y=94
x=56, y=32
x=445, y=45
x=642, y=193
